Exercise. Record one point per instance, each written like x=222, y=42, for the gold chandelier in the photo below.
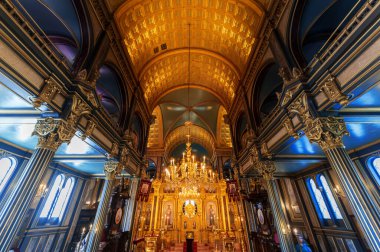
x=188, y=174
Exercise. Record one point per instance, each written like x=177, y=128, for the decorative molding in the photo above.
x=300, y=106
x=114, y=149
x=326, y=131
x=90, y=96
x=124, y=155
x=332, y=91
x=289, y=94
x=288, y=125
x=48, y=92
x=90, y=126
x=78, y=108
x=266, y=169
x=265, y=151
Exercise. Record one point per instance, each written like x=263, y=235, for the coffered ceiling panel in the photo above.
x=206, y=71
x=228, y=27
x=222, y=36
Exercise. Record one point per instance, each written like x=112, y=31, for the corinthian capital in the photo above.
x=266, y=169
x=110, y=169
x=52, y=133
x=326, y=131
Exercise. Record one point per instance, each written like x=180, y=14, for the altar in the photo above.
x=189, y=198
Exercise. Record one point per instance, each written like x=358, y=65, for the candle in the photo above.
x=204, y=158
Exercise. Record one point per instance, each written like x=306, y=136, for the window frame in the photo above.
x=333, y=221
x=13, y=169
x=374, y=174
x=51, y=220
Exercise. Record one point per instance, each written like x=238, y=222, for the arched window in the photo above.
x=330, y=197
x=7, y=167
x=374, y=165
x=319, y=201
x=56, y=203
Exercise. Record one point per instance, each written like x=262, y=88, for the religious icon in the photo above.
x=144, y=188
x=185, y=224
x=194, y=225
x=232, y=217
x=168, y=216
x=147, y=219
x=232, y=188
x=211, y=216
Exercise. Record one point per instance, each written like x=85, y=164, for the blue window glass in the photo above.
x=7, y=167
x=376, y=168
x=330, y=197
x=319, y=201
x=56, y=203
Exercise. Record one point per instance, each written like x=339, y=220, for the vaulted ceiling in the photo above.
x=200, y=44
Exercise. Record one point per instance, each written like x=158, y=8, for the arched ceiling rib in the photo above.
x=223, y=33
x=197, y=135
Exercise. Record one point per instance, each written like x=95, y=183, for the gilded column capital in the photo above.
x=266, y=169
x=110, y=169
x=326, y=131
x=52, y=133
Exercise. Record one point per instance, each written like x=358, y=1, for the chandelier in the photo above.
x=188, y=174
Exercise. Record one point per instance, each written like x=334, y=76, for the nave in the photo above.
x=189, y=125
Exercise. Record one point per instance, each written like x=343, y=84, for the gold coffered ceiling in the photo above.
x=223, y=33
x=207, y=71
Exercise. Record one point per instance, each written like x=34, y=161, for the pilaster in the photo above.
x=110, y=170
x=328, y=133
x=51, y=134
x=267, y=169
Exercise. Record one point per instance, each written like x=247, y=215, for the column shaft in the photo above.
x=285, y=236
x=98, y=226
x=357, y=195
x=129, y=206
x=15, y=207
